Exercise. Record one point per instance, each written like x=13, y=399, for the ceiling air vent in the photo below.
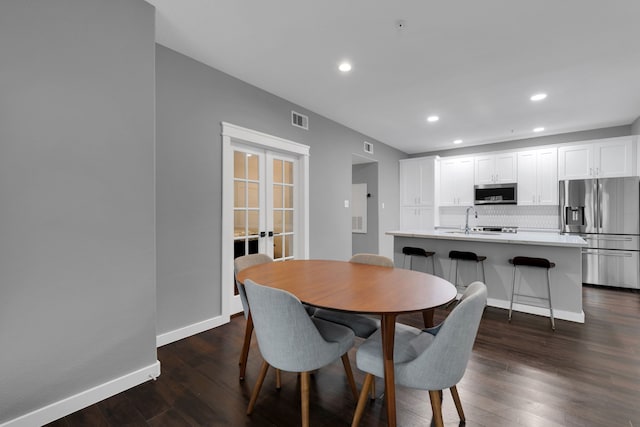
x=299, y=120
x=368, y=147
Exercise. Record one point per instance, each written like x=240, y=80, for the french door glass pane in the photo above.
x=278, y=242
x=239, y=169
x=239, y=224
x=277, y=171
x=288, y=197
x=254, y=167
x=288, y=173
x=288, y=221
x=239, y=194
x=277, y=222
x=288, y=245
x=254, y=222
x=253, y=194
x=277, y=196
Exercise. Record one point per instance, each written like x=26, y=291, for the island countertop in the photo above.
x=520, y=238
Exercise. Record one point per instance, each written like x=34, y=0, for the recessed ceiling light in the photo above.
x=457, y=141
x=432, y=119
x=538, y=96
x=538, y=129
x=345, y=67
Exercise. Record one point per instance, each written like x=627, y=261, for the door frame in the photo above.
x=232, y=133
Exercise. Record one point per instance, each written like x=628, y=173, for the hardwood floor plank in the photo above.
x=520, y=374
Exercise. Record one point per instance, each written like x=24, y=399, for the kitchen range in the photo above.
x=605, y=213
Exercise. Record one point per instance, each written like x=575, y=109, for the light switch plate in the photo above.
x=346, y=203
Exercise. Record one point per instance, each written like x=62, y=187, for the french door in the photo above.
x=264, y=193
x=265, y=202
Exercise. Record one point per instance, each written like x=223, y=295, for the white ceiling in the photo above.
x=473, y=63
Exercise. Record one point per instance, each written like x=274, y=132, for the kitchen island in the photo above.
x=564, y=250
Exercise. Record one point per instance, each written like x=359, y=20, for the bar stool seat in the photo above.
x=466, y=256
x=537, y=263
x=412, y=251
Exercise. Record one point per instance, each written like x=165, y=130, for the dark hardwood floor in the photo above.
x=520, y=373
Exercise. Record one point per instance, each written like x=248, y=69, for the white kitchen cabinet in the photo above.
x=418, y=192
x=538, y=177
x=604, y=158
x=456, y=181
x=417, y=218
x=496, y=168
x=417, y=180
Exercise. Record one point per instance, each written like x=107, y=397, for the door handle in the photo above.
x=600, y=252
x=263, y=234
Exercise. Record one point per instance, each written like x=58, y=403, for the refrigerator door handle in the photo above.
x=601, y=252
x=599, y=205
x=607, y=239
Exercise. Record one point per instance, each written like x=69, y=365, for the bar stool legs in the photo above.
x=456, y=256
x=532, y=262
x=410, y=252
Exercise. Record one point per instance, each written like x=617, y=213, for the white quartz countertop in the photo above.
x=520, y=238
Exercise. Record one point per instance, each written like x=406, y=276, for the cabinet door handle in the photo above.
x=591, y=171
x=597, y=171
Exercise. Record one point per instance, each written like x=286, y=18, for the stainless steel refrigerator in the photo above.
x=605, y=212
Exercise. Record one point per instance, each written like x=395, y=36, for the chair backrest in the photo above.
x=240, y=264
x=443, y=363
x=287, y=336
x=372, y=259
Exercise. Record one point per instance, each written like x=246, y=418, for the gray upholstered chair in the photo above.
x=292, y=341
x=240, y=264
x=428, y=360
x=363, y=326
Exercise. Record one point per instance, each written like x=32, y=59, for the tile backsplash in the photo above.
x=540, y=217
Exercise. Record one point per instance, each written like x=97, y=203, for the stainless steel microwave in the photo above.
x=496, y=194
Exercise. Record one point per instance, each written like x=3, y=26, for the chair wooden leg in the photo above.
x=373, y=390
x=349, y=372
x=456, y=400
x=278, y=379
x=257, y=387
x=436, y=406
x=427, y=318
x=304, y=395
x=244, y=355
x=368, y=380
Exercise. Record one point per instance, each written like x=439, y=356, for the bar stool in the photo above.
x=466, y=256
x=411, y=252
x=532, y=262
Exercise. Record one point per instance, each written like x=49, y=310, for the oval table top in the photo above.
x=348, y=286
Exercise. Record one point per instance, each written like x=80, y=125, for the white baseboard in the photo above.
x=187, y=331
x=540, y=311
x=85, y=398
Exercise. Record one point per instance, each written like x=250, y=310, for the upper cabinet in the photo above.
x=496, y=168
x=538, y=177
x=605, y=158
x=417, y=181
x=418, y=192
x=456, y=181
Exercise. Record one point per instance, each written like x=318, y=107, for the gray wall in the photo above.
x=77, y=260
x=192, y=100
x=367, y=173
x=532, y=142
x=635, y=127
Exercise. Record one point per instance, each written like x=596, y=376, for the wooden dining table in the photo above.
x=359, y=288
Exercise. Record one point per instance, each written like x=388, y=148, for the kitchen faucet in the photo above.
x=466, y=222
